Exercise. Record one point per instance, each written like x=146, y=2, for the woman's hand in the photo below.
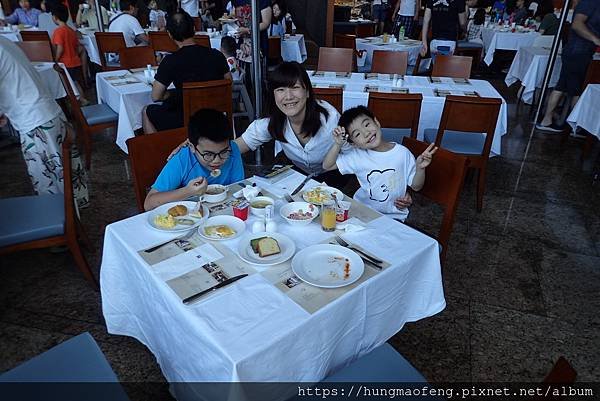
x=178, y=148
x=242, y=31
x=339, y=135
x=197, y=186
x=425, y=158
x=423, y=50
x=403, y=202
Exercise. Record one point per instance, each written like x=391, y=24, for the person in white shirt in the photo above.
x=406, y=13
x=42, y=126
x=127, y=23
x=384, y=169
x=190, y=7
x=86, y=15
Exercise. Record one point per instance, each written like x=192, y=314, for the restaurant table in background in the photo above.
x=498, y=38
x=355, y=94
x=376, y=43
x=253, y=330
x=52, y=80
x=13, y=36
x=88, y=41
x=529, y=67
x=585, y=113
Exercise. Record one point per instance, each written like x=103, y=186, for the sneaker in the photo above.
x=549, y=128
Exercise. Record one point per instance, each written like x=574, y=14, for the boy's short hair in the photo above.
x=352, y=114
x=181, y=26
x=125, y=4
x=60, y=12
x=228, y=45
x=209, y=124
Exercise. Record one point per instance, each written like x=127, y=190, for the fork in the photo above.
x=369, y=258
x=187, y=236
x=288, y=198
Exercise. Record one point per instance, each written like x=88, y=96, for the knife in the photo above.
x=194, y=297
x=302, y=184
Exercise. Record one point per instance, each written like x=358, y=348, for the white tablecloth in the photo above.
x=432, y=106
x=12, y=36
x=370, y=44
x=585, y=113
x=125, y=100
x=494, y=39
x=250, y=330
x=52, y=80
x=88, y=40
x=529, y=67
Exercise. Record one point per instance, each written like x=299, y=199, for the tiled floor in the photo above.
x=522, y=278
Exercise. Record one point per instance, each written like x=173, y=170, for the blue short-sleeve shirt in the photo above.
x=184, y=167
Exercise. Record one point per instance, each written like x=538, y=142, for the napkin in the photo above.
x=250, y=192
x=351, y=225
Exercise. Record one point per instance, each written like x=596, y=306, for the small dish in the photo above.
x=215, y=193
x=310, y=210
x=213, y=228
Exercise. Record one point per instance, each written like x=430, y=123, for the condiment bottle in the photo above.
x=258, y=226
x=270, y=225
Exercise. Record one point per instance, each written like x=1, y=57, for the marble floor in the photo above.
x=522, y=278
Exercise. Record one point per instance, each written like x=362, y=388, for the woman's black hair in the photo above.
x=286, y=75
x=545, y=7
x=479, y=17
x=282, y=8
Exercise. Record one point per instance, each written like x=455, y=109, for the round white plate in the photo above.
x=236, y=224
x=323, y=266
x=287, y=246
x=329, y=190
x=179, y=227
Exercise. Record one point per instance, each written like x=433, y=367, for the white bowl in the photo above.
x=286, y=210
x=214, y=198
x=260, y=211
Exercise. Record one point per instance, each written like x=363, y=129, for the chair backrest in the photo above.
x=38, y=36
x=347, y=41
x=364, y=30
x=335, y=59
x=443, y=183
x=202, y=40
x=452, y=66
x=593, y=73
x=333, y=96
x=543, y=41
x=385, y=62
x=136, y=57
x=197, y=23
x=162, y=42
x=274, y=49
x=397, y=110
x=109, y=42
x=75, y=107
x=482, y=115
x=215, y=95
x=148, y=155
x=37, y=51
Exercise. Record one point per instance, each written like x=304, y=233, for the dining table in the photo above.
x=497, y=37
x=52, y=80
x=529, y=67
x=370, y=44
x=271, y=325
x=357, y=86
x=585, y=113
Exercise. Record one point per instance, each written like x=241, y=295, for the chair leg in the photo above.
x=480, y=188
x=81, y=262
x=87, y=144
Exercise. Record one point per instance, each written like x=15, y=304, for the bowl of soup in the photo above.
x=215, y=193
x=258, y=205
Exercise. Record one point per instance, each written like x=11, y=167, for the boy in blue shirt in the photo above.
x=210, y=158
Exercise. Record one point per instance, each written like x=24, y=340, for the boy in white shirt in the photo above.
x=383, y=169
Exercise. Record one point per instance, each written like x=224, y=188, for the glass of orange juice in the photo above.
x=328, y=216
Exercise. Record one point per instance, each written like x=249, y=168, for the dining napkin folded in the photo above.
x=351, y=225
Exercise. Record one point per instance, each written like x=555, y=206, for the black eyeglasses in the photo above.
x=210, y=156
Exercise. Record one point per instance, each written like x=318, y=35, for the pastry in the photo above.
x=268, y=246
x=179, y=210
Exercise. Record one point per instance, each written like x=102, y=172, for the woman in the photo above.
x=243, y=14
x=278, y=21
x=300, y=124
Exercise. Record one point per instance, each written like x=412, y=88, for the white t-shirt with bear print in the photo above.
x=383, y=176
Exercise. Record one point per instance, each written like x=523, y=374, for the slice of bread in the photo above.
x=268, y=246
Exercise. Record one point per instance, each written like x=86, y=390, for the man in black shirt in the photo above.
x=445, y=17
x=190, y=63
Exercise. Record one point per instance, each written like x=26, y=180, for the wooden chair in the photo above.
x=333, y=96
x=38, y=36
x=467, y=127
x=162, y=42
x=109, y=42
x=51, y=220
x=336, y=59
x=215, y=95
x=452, y=66
x=36, y=51
x=443, y=184
x=470, y=49
x=90, y=119
x=202, y=40
x=562, y=373
x=593, y=74
x=136, y=57
x=364, y=30
x=148, y=155
x=346, y=41
x=197, y=23
x=274, y=55
x=398, y=113
x=385, y=62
